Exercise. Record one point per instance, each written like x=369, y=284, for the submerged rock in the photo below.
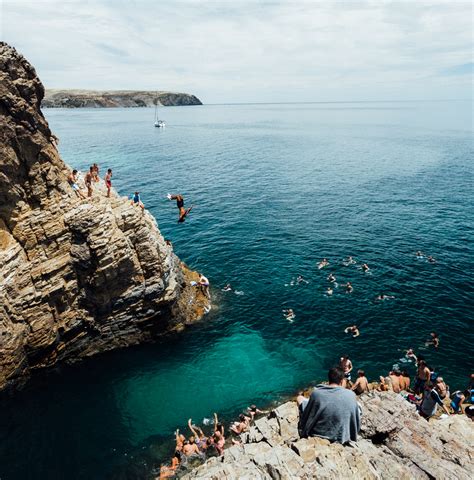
x=77, y=277
x=394, y=443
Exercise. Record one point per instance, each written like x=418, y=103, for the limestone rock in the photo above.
x=77, y=277
x=395, y=443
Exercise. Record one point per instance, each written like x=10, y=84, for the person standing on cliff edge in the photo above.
x=108, y=181
x=331, y=412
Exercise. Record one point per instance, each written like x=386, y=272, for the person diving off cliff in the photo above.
x=183, y=212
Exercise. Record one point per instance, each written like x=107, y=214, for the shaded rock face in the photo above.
x=395, y=443
x=119, y=98
x=77, y=277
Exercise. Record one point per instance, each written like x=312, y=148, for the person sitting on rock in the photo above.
x=72, y=180
x=253, y=410
x=242, y=425
x=199, y=437
x=136, y=200
x=395, y=375
x=331, y=412
x=169, y=471
x=430, y=402
x=361, y=385
x=405, y=381
x=190, y=447
x=219, y=438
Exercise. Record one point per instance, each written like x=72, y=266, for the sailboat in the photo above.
x=158, y=123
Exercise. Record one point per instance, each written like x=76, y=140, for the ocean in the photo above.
x=275, y=188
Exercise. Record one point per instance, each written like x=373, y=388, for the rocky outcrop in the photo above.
x=395, y=443
x=119, y=98
x=77, y=276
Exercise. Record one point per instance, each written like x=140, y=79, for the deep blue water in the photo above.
x=276, y=188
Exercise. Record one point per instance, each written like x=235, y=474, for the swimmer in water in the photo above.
x=410, y=355
x=289, y=314
x=331, y=278
x=227, y=288
x=323, y=263
x=383, y=297
x=301, y=279
x=183, y=212
x=349, y=287
x=349, y=261
x=365, y=267
x=329, y=291
x=433, y=340
x=352, y=329
x=431, y=259
x=419, y=254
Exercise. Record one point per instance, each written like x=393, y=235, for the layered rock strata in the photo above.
x=77, y=276
x=118, y=98
x=395, y=443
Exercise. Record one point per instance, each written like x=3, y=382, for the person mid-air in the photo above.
x=183, y=212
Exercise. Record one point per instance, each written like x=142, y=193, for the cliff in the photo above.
x=395, y=443
x=77, y=276
x=119, y=98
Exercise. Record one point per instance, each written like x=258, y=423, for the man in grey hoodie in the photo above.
x=331, y=412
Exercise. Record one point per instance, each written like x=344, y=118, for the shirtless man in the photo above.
x=394, y=376
x=405, y=381
x=361, y=385
x=383, y=297
x=431, y=259
x=89, y=178
x=72, y=180
x=95, y=172
x=108, y=181
x=289, y=314
x=422, y=377
x=183, y=212
x=346, y=366
x=331, y=277
x=352, y=329
x=365, y=267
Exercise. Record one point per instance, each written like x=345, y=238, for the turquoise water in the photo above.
x=276, y=188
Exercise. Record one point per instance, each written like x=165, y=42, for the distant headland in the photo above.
x=115, y=98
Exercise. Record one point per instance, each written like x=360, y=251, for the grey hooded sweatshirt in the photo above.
x=332, y=413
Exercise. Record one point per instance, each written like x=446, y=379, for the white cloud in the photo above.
x=248, y=51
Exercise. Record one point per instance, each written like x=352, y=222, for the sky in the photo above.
x=250, y=51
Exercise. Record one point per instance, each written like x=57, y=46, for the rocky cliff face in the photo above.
x=108, y=99
x=396, y=443
x=77, y=277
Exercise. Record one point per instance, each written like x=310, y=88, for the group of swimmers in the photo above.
x=200, y=445
x=92, y=177
x=429, y=389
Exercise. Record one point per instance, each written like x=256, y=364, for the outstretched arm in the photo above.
x=172, y=197
x=190, y=425
x=216, y=421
